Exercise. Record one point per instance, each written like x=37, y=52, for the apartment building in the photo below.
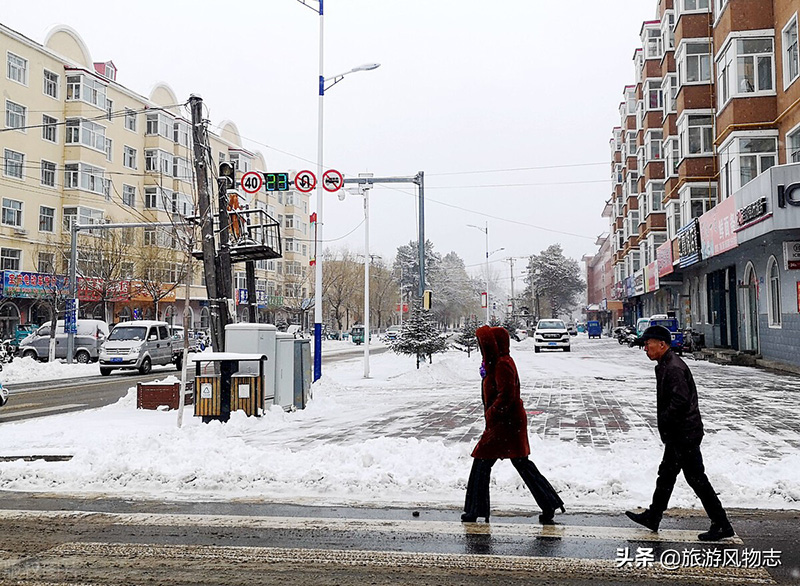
x=705, y=219
x=78, y=146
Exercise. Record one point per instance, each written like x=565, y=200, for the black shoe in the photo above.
x=717, y=532
x=467, y=518
x=645, y=519
x=546, y=518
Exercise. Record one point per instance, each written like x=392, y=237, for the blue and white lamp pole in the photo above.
x=331, y=81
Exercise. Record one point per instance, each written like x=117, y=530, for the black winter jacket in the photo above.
x=678, y=414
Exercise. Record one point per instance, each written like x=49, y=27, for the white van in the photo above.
x=91, y=334
x=136, y=345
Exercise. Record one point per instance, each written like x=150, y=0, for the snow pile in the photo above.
x=24, y=370
x=404, y=437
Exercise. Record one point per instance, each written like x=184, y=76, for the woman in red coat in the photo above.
x=506, y=433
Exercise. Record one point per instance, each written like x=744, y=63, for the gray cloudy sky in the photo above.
x=465, y=88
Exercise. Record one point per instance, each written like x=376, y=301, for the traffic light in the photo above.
x=427, y=299
x=228, y=172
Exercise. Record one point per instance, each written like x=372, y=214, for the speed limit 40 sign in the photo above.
x=252, y=182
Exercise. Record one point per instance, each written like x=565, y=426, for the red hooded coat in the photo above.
x=506, y=433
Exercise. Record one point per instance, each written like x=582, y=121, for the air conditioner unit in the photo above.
x=20, y=231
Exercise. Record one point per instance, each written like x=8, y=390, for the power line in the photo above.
x=538, y=168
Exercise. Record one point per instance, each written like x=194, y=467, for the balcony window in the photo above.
x=181, y=133
x=633, y=182
x=655, y=195
x=693, y=61
x=86, y=133
x=158, y=161
x=653, y=140
x=793, y=145
x=695, y=200
x=653, y=43
x=83, y=216
x=696, y=132
x=668, y=30
x=653, y=97
x=669, y=90
x=86, y=89
x=694, y=5
x=158, y=123
x=673, y=218
x=746, y=67
x=791, y=54
x=743, y=158
x=86, y=177
x=157, y=198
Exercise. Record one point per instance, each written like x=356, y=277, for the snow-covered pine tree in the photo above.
x=419, y=336
x=466, y=341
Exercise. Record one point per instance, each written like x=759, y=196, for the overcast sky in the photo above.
x=467, y=89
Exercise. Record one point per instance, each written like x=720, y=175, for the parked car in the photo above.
x=3, y=394
x=177, y=345
x=392, y=333
x=90, y=336
x=138, y=344
x=594, y=329
x=521, y=334
x=551, y=333
x=572, y=329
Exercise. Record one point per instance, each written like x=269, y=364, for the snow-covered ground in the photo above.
x=25, y=370
x=404, y=437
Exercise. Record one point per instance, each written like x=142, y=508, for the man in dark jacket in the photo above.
x=681, y=430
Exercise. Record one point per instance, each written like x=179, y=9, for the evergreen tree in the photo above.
x=419, y=336
x=467, y=341
x=511, y=326
x=553, y=283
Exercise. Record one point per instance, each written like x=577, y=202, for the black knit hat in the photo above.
x=657, y=333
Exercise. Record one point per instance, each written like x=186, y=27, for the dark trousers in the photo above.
x=477, y=501
x=686, y=457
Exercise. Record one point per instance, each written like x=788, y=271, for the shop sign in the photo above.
x=630, y=291
x=94, y=289
x=791, y=255
x=262, y=298
x=752, y=213
x=798, y=296
x=664, y=259
x=651, y=277
x=718, y=229
x=689, y=244
x=36, y=285
x=638, y=282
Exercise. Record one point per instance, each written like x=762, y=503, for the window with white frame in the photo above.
x=87, y=133
x=47, y=219
x=774, y=293
x=617, y=174
x=17, y=68
x=671, y=156
x=655, y=195
x=639, y=114
x=743, y=158
x=109, y=149
x=12, y=212
x=15, y=115
x=181, y=169
x=652, y=145
x=653, y=43
x=719, y=6
x=636, y=261
x=14, y=163
x=46, y=262
x=48, y=177
x=673, y=218
x=10, y=259
x=653, y=97
x=693, y=61
x=49, y=128
x=791, y=54
x=290, y=222
x=87, y=177
x=181, y=133
x=158, y=161
x=129, y=195
x=644, y=207
x=130, y=119
x=86, y=89
x=633, y=182
x=150, y=237
x=694, y=5
x=696, y=134
x=129, y=157
x=793, y=146
x=640, y=159
x=241, y=162
x=644, y=252
x=158, y=123
x=157, y=198
x=695, y=200
x=746, y=67
x=50, y=84
x=182, y=204
x=669, y=90
x=668, y=30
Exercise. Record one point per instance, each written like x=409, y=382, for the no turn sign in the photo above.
x=305, y=181
x=332, y=180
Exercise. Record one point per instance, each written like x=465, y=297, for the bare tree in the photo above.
x=161, y=268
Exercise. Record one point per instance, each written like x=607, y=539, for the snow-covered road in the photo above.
x=404, y=437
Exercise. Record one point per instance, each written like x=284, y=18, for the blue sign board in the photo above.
x=71, y=316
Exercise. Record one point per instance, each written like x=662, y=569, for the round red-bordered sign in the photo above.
x=333, y=177
x=252, y=182
x=305, y=181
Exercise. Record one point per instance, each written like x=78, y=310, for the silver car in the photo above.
x=137, y=345
x=91, y=335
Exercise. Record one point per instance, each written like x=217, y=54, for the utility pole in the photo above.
x=218, y=310
x=252, y=302
x=511, y=260
x=225, y=273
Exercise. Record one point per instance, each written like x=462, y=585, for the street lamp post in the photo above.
x=320, y=224
x=485, y=230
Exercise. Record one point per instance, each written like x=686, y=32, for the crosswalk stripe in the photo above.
x=386, y=526
x=564, y=567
